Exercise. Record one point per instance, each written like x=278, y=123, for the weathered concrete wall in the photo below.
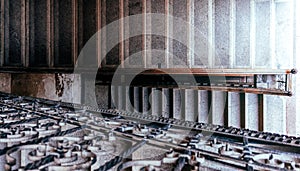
x=111, y=14
x=101, y=93
x=242, y=51
x=222, y=33
x=5, y=82
x=262, y=49
x=65, y=87
x=202, y=25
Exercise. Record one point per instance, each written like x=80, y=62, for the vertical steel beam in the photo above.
x=103, y=33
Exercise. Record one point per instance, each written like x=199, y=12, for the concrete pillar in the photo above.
x=218, y=107
x=129, y=106
x=146, y=100
x=137, y=95
x=191, y=102
x=275, y=114
x=121, y=98
x=222, y=33
x=156, y=98
x=236, y=110
x=114, y=98
x=204, y=103
x=177, y=104
x=166, y=102
x=252, y=111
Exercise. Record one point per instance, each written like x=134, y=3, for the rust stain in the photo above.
x=59, y=84
x=62, y=84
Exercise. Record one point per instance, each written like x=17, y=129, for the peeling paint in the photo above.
x=5, y=83
x=62, y=82
x=59, y=85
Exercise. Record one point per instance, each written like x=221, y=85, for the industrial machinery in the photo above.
x=38, y=134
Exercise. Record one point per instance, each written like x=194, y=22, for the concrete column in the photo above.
x=166, y=102
x=146, y=100
x=137, y=95
x=236, y=110
x=252, y=111
x=114, y=98
x=218, y=107
x=129, y=106
x=204, y=102
x=275, y=114
x=190, y=105
x=177, y=104
x=156, y=98
x=121, y=98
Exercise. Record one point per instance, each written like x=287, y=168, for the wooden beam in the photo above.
x=126, y=32
x=121, y=32
x=6, y=32
x=103, y=36
x=2, y=21
x=50, y=34
x=261, y=104
x=216, y=72
x=75, y=24
x=99, y=36
x=243, y=107
x=24, y=32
